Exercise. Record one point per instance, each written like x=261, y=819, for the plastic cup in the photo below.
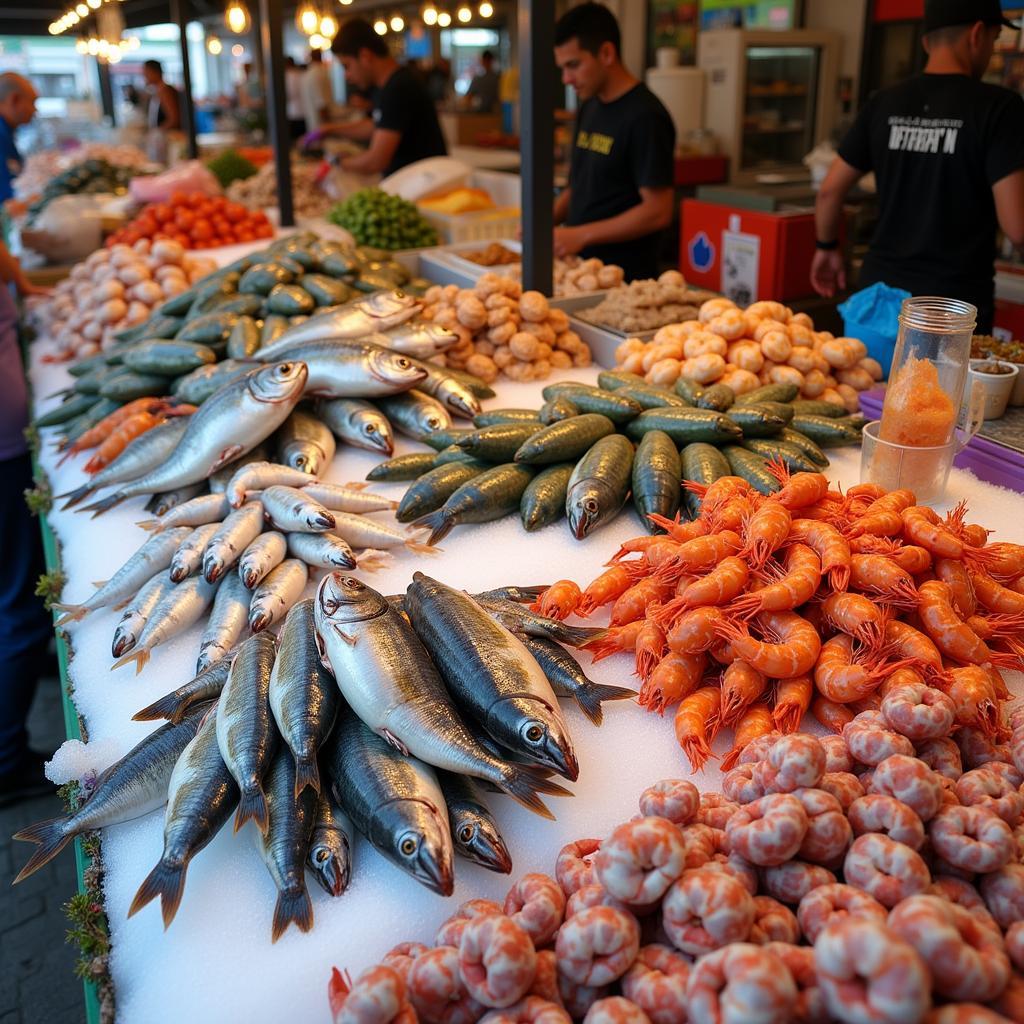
x=998, y=387
x=924, y=471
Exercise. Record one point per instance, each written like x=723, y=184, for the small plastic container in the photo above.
x=924, y=471
x=997, y=387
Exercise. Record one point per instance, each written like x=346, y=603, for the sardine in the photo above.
x=199, y=511
x=262, y=555
x=456, y=396
x=475, y=833
x=293, y=511
x=188, y=559
x=154, y=556
x=136, y=615
x=520, y=620
x=305, y=443
x=246, y=734
x=164, y=503
x=339, y=498
x=421, y=339
x=568, y=679
x=393, y=800
x=330, y=847
x=415, y=414
x=204, y=687
x=272, y=599
x=321, y=550
x=362, y=532
x=256, y=476
x=231, y=538
x=357, y=422
x=132, y=786
x=388, y=679
x=228, y=619
x=491, y=674
x=520, y=595
x=231, y=423
x=303, y=695
x=599, y=485
x=219, y=481
x=200, y=797
x=285, y=845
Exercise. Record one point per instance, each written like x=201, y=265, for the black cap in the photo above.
x=945, y=13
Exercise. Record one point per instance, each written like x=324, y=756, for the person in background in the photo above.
x=17, y=107
x=404, y=126
x=620, y=193
x=163, y=111
x=316, y=91
x=294, y=74
x=438, y=79
x=948, y=152
x=250, y=89
x=483, y=90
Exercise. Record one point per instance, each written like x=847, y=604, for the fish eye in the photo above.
x=322, y=856
x=466, y=833
x=403, y=363
x=407, y=846
x=371, y=428
x=351, y=583
x=534, y=733
x=285, y=368
x=590, y=505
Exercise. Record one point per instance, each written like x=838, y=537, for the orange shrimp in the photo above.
x=650, y=645
x=872, y=492
x=712, y=496
x=954, y=573
x=700, y=554
x=636, y=544
x=922, y=525
x=696, y=723
x=741, y=686
x=901, y=677
x=869, y=544
x=872, y=702
x=678, y=531
x=756, y=721
x=632, y=604
x=881, y=576
x=798, y=489
x=831, y=715
x=129, y=429
x=605, y=589
x=913, y=559
x=884, y=516
x=829, y=545
x=790, y=648
x=764, y=532
x=1003, y=561
x=614, y=641
x=674, y=678
x=969, y=533
x=998, y=685
x=792, y=700
x=695, y=631
x=725, y=582
x=846, y=672
x=904, y=640
x=996, y=627
x=970, y=688
x=732, y=515
x=559, y=601
x=954, y=638
x=790, y=588
x=660, y=553
x=995, y=597
x=855, y=615
x=101, y=431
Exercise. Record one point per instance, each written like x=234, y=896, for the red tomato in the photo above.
x=201, y=231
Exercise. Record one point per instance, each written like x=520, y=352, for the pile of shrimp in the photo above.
x=764, y=608
x=873, y=876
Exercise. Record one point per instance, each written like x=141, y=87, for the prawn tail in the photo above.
x=664, y=616
x=697, y=752
x=603, y=647
x=746, y=607
x=637, y=570
x=839, y=580
x=730, y=759
x=663, y=522
x=338, y=989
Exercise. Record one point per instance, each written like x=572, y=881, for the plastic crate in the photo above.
x=482, y=226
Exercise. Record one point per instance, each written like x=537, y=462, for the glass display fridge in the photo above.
x=770, y=97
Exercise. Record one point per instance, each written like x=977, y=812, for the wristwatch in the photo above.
x=827, y=246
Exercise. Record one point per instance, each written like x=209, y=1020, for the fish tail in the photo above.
x=149, y=525
x=171, y=707
x=51, y=836
x=372, y=560
x=590, y=697
x=140, y=657
x=72, y=613
x=97, y=508
x=439, y=524
x=420, y=548
x=77, y=495
x=576, y=636
x=253, y=805
x=522, y=784
x=292, y=908
x=166, y=881
x=306, y=774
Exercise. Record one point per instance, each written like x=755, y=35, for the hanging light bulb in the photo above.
x=486, y=9
x=464, y=14
x=114, y=55
x=82, y=10
x=237, y=50
x=429, y=16
x=237, y=18
x=72, y=19
x=81, y=46
x=444, y=19
x=328, y=26
x=134, y=42
x=345, y=3
x=94, y=4
x=316, y=41
x=214, y=45
x=380, y=26
x=397, y=23
x=306, y=18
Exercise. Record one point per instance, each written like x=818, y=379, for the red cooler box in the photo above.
x=747, y=255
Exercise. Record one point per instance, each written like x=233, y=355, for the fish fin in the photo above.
x=170, y=707
x=438, y=523
x=306, y=774
x=589, y=698
x=97, y=508
x=522, y=783
x=149, y=525
x=139, y=656
x=359, y=485
x=576, y=636
x=342, y=635
x=423, y=549
x=253, y=805
x=372, y=560
x=51, y=836
x=77, y=495
x=229, y=454
x=165, y=881
x=321, y=650
x=100, y=583
x=72, y=613
x=292, y=908
x=395, y=742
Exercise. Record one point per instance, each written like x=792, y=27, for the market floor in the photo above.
x=37, y=982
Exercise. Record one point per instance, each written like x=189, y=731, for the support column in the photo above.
x=271, y=40
x=106, y=91
x=179, y=14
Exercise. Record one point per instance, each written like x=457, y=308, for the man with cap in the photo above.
x=948, y=153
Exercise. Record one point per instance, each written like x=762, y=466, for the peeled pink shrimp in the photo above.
x=757, y=749
x=885, y=869
x=578, y=999
x=743, y=784
x=844, y=786
x=967, y=961
x=615, y=1010
x=545, y=978
x=573, y=868
x=657, y=984
x=733, y=865
x=701, y=843
x=794, y=761
x=768, y=831
x=792, y=881
x=911, y=781
x=964, y=1013
x=497, y=960
x=1015, y=944
x=1003, y=893
x=675, y=799
x=869, y=975
x=715, y=810
x=983, y=787
x=888, y=816
x=972, y=838
x=943, y=756
x=705, y=910
x=828, y=832
x=537, y=904
x=450, y=932
x=437, y=990
x=919, y=712
x=641, y=859
x=871, y=740
x=593, y=896
x=531, y=1010
x=837, y=754
x=400, y=958
x=773, y=922
x=597, y=946
x=1011, y=1002
x=377, y=997
x=829, y=904
x=740, y=984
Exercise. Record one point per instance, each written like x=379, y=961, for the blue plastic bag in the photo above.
x=873, y=316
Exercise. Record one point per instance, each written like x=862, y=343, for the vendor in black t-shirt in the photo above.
x=948, y=152
x=620, y=194
x=404, y=126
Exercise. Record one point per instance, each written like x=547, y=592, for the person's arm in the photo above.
x=1009, y=197
x=11, y=272
x=828, y=268
x=378, y=156
x=562, y=205
x=172, y=113
x=357, y=131
x=652, y=213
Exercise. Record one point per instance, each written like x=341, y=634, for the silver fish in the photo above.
x=358, y=423
x=361, y=532
x=305, y=443
x=231, y=538
x=258, y=475
x=353, y=498
x=369, y=314
x=389, y=681
x=277, y=593
x=228, y=619
x=246, y=733
x=394, y=801
x=200, y=797
x=520, y=620
x=330, y=847
x=204, y=687
x=266, y=552
x=154, y=556
x=137, y=613
x=219, y=481
x=474, y=830
x=521, y=595
x=206, y=508
x=415, y=414
x=491, y=674
x=303, y=695
x=163, y=503
x=456, y=396
x=293, y=511
x=421, y=339
x=132, y=786
x=321, y=550
x=188, y=559
x=180, y=608
x=286, y=844
x=228, y=425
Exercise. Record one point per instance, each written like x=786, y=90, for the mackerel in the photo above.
x=330, y=847
x=282, y=587
x=357, y=422
x=305, y=443
x=204, y=687
x=188, y=559
x=261, y=555
x=321, y=550
x=137, y=614
x=228, y=619
x=475, y=833
x=294, y=511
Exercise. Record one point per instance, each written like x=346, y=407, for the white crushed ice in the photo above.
x=75, y=760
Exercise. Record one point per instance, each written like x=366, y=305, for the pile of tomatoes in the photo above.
x=197, y=221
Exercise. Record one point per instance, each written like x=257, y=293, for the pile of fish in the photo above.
x=386, y=715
